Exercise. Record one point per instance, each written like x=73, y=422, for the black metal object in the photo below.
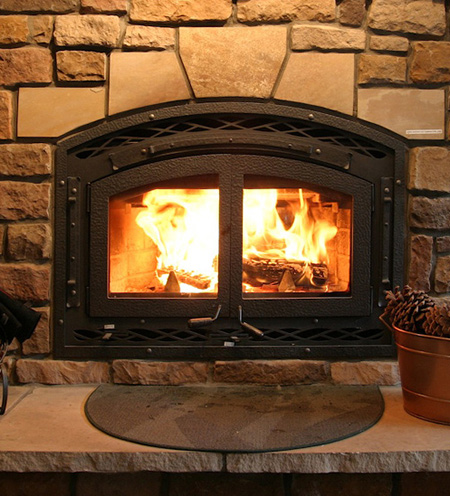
x=198, y=322
x=17, y=321
x=4, y=376
x=226, y=142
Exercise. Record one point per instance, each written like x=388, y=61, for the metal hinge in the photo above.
x=73, y=219
x=387, y=186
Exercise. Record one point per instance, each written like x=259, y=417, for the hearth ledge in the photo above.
x=45, y=430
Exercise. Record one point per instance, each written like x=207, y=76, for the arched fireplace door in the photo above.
x=227, y=230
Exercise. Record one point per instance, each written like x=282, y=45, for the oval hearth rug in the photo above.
x=234, y=418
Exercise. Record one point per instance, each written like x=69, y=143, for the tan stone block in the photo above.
x=25, y=65
x=13, y=29
x=218, y=60
x=306, y=37
x=290, y=10
x=131, y=484
x=51, y=112
x=26, y=282
x=87, y=30
x=410, y=112
x=29, y=242
x=180, y=11
x=39, y=342
x=57, y=6
x=377, y=69
x=149, y=37
x=26, y=159
x=76, y=65
x=429, y=169
x=443, y=244
x=6, y=115
x=389, y=43
x=164, y=373
x=430, y=62
x=2, y=238
x=154, y=71
x=430, y=213
x=406, y=16
x=322, y=79
x=382, y=373
x=420, y=265
x=104, y=6
x=10, y=363
x=22, y=201
x=42, y=28
x=61, y=372
x=271, y=372
x=442, y=275
x=352, y=12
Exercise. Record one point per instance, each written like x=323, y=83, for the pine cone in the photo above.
x=437, y=321
x=407, y=308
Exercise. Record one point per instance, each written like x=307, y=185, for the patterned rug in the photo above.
x=234, y=418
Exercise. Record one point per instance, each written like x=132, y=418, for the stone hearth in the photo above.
x=66, y=64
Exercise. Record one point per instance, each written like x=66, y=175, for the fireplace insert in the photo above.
x=227, y=229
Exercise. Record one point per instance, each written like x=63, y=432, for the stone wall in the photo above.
x=65, y=64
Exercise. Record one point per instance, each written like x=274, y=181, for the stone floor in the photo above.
x=45, y=430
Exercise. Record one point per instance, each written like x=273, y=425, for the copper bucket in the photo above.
x=424, y=363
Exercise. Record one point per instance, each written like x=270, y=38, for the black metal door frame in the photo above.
x=128, y=152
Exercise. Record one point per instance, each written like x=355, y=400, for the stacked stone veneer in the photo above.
x=65, y=64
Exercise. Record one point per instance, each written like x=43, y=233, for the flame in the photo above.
x=279, y=225
x=184, y=225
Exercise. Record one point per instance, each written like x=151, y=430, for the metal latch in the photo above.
x=203, y=321
x=252, y=330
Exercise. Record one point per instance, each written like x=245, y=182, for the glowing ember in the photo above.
x=184, y=225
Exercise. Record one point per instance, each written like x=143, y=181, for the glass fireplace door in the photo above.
x=296, y=241
x=164, y=242
x=301, y=240
x=290, y=241
x=160, y=240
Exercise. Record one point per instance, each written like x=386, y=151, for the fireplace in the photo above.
x=227, y=229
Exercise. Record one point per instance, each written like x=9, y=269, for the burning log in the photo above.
x=258, y=272
x=199, y=281
x=285, y=274
x=319, y=274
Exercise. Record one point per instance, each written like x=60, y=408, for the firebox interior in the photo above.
x=164, y=241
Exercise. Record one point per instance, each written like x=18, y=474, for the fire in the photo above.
x=278, y=225
x=285, y=236
x=281, y=234
x=184, y=225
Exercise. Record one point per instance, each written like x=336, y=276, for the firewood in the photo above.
x=199, y=281
x=262, y=271
x=319, y=274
